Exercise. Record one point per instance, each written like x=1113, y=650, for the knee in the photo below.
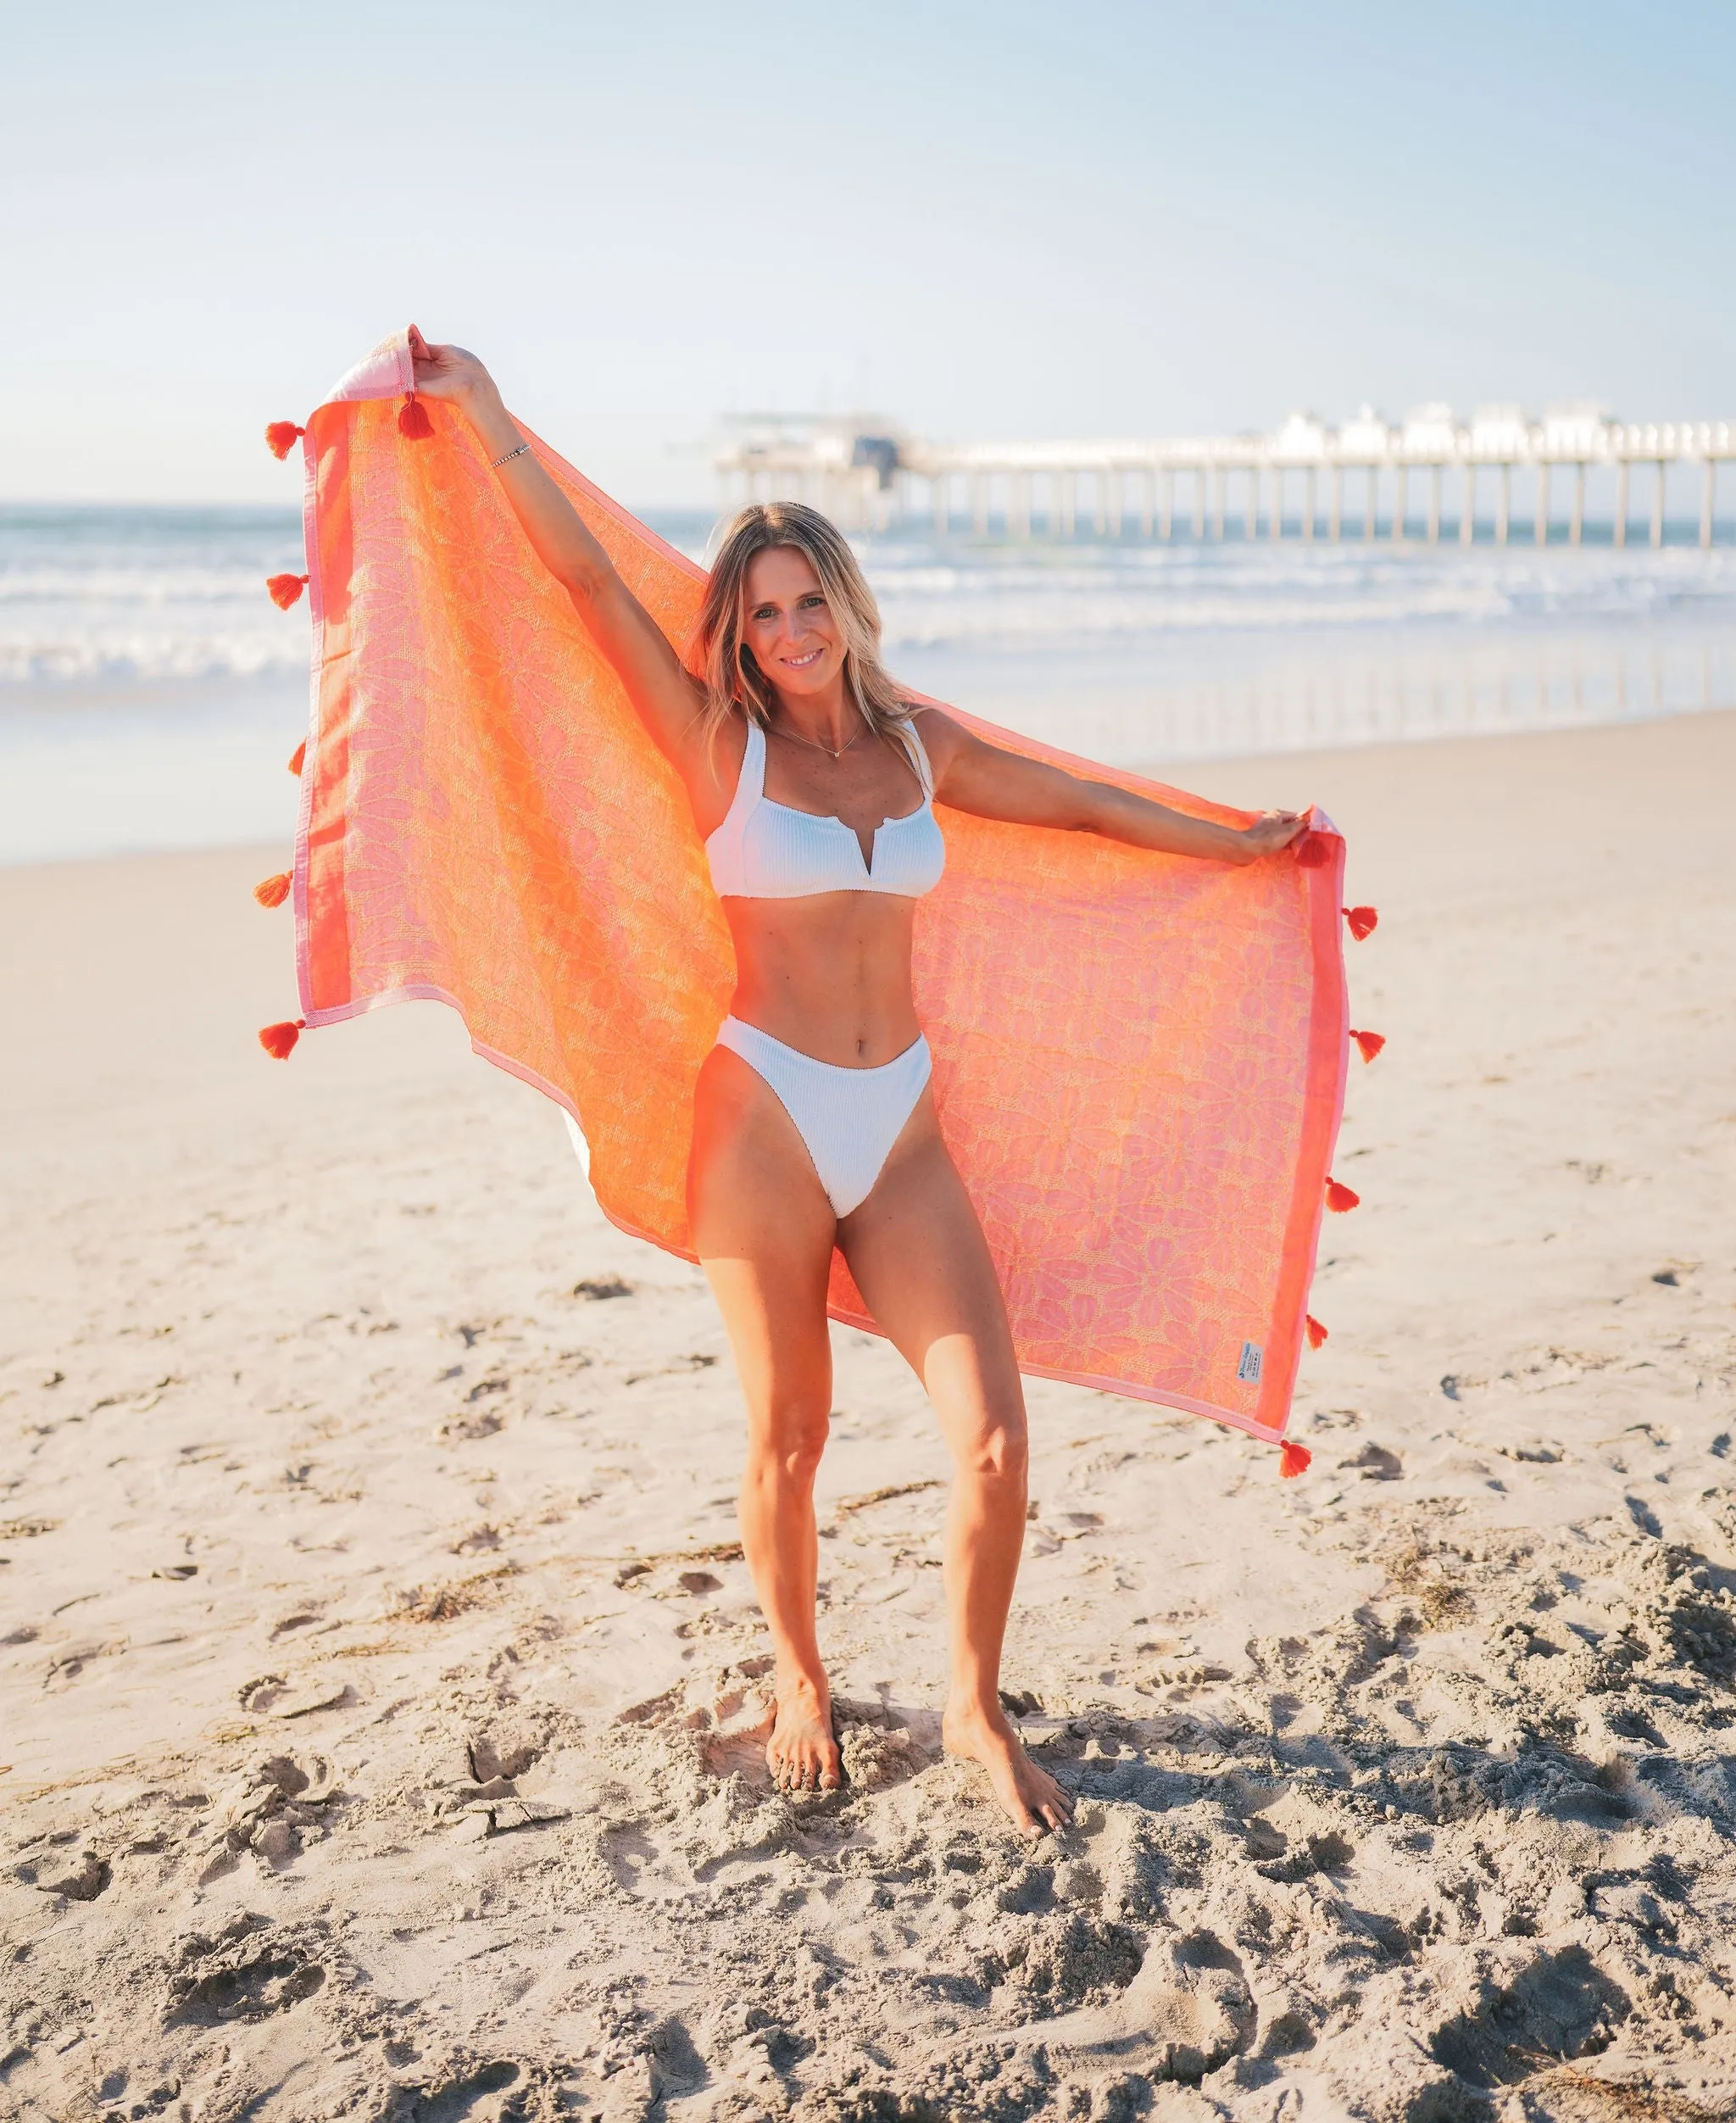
x=789, y=1447
x=1000, y=1453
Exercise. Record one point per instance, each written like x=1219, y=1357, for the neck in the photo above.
x=830, y=718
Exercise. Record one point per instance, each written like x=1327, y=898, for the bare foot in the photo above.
x=1029, y=1798
x=802, y=1752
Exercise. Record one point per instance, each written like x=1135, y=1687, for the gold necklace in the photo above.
x=812, y=744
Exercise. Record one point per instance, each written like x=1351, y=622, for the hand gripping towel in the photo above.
x=1140, y=1059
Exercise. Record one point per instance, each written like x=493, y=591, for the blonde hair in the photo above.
x=722, y=659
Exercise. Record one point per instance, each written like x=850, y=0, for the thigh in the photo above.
x=923, y=1267
x=763, y=1231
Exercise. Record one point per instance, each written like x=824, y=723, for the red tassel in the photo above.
x=1363, y=920
x=413, y=422
x=1314, y=851
x=281, y=436
x=298, y=758
x=1339, y=1197
x=279, y=1040
x=286, y=589
x=1370, y=1043
x=274, y=891
x=1294, y=1459
x=1316, y=1334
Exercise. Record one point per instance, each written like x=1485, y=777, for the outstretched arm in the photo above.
x=662, y=691
x=980, y=778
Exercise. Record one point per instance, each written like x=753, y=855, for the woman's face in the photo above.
x=787, y=625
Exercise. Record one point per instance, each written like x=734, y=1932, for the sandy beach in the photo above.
x=380, y=1681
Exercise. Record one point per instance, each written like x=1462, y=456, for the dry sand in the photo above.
x=382, y=1683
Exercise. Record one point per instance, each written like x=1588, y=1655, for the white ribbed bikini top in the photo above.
x=765, y=850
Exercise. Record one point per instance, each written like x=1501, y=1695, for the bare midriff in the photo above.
x=829, y=975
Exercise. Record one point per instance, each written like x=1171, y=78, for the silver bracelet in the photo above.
x=508, y=457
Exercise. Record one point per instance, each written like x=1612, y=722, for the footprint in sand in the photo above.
x=251, y=1987
x=1560, y=2007
x=1375, y=1463
x=90, y=1878
x=272, y=1696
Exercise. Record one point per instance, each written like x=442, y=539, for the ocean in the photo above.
x=150, y=692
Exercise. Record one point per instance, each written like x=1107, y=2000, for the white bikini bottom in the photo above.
x=848, y=1118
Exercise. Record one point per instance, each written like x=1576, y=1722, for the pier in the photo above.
x=1430, y=477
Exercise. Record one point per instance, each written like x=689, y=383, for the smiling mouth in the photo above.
x=801, y=663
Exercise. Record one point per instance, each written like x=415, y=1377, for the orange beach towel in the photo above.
x=1138, y=1059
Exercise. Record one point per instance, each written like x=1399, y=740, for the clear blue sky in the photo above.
x=986, y=219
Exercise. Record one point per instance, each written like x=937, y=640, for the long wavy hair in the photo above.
x=721, y=658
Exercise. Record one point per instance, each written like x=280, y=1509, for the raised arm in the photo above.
x=991, y=783
x=664, y=695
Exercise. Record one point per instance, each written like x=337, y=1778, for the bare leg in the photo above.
x=764, y=1230
x=921, y=1263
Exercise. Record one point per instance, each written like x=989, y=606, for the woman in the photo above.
x=812, y=781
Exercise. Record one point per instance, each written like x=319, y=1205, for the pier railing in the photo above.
x=1306, y=480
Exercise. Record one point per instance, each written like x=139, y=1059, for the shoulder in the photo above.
x=943, y=737
x=947, y=741
x=711, y=767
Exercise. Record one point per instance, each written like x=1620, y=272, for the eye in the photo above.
x=812, y=598
x=764, y=612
